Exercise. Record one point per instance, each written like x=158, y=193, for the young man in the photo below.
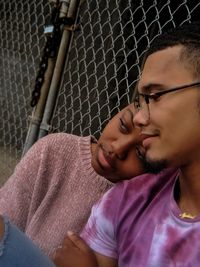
x=57, y=182
x=154, y=220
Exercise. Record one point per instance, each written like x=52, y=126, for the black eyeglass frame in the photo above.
x=156, y=95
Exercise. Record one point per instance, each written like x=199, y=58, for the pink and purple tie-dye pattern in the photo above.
x=138, y=223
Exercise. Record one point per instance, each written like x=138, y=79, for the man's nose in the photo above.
x=140, y=119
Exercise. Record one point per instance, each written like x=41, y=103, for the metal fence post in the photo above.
x=69, y=12
x=36, y=118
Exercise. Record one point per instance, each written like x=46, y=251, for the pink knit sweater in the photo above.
x=53, y=189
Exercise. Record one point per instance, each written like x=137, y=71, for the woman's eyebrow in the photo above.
x=131, y=114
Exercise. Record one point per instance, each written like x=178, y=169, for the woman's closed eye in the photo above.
x=123, y=126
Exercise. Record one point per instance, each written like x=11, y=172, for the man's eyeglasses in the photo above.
x=142, y=101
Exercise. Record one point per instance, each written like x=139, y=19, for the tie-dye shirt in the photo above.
x=138, y=222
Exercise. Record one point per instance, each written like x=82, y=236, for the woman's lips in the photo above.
x=147, y=140
x=104, y=160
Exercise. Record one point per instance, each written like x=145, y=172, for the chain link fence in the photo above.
x=21, y=42
x=101, y=70
x=105, y=57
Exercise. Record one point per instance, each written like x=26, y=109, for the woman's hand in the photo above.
x=74, y=252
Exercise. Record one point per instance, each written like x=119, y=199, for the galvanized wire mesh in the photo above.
x=105, y=58
x=21, y=42
x=103, y=63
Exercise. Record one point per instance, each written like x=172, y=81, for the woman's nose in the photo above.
x=120, y=147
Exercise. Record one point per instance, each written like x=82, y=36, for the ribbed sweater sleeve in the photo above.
x=16, y=193
x=53, y=189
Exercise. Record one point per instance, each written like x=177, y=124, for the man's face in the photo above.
x=172, y=131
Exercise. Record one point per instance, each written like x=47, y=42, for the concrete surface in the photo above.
x=8, y=161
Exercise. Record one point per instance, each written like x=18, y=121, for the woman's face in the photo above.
x=115, y=155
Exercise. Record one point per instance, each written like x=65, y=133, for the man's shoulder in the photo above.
x=140, y=187
x=130, y=198
x=148, y=180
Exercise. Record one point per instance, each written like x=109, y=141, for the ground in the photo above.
x=7, y=164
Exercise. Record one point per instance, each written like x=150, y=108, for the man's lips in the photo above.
x=147, y=138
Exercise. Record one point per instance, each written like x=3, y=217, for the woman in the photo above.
x=60, y=178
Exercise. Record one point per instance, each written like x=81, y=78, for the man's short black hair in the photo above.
x=187, y=35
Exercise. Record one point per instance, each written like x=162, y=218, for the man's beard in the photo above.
x=151, y=166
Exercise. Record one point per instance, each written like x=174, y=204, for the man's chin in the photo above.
x=154, y=166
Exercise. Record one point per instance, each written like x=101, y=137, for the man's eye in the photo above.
x=154, y=97
x=137, y=102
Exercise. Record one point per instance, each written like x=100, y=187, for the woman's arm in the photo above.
x=75, y=252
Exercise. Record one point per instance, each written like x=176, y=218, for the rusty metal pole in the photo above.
x=68, y=9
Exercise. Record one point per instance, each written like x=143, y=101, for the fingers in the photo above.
x=74, y=252
x=77, y=241
x=73, y=242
